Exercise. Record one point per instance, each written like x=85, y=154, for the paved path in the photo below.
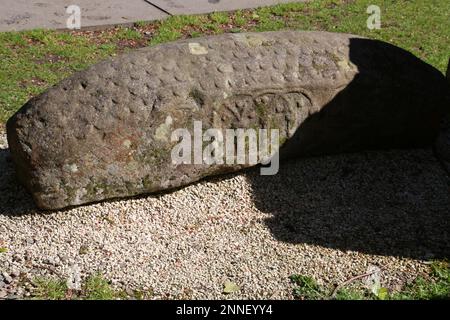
x=51, y=14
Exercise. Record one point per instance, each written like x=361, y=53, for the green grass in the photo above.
x=219, y=17
x=127, y=34
x=95, y=287
x=435, y=286
x=307, y=288
x=424, y=289
x=31, y=61
x=352, y=294
x=49, y=289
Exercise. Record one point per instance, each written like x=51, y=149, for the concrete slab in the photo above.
x=205, y=6
x=51, y=14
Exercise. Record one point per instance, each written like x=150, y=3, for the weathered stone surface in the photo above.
x=105, y=132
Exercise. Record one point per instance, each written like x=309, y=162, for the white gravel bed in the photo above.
x=329, y=217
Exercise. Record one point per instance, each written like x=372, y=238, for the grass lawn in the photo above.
x=31, y=61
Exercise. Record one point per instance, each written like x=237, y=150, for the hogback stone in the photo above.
x=105, y=132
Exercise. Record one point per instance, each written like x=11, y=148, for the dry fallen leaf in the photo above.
x=230, y=287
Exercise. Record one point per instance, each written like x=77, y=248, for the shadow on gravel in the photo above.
x=388, y=202
x=14, y=199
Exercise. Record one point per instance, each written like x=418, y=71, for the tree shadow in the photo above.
x=386, y=202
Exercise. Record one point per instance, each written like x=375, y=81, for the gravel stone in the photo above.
x=7, y=278
x=3, y=294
